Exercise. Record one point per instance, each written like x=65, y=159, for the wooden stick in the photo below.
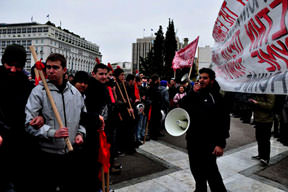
x=120, y=91
x=175, y=75
x=57, y=115
x=190, y=72
x=128, y=98
x=124, y=100
x=103, y=178
x=107, y=181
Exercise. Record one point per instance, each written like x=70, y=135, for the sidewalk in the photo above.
x=236, y=166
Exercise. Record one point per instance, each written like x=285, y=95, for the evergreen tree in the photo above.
x=170, y=47
x=158, y=53
x=145, y=66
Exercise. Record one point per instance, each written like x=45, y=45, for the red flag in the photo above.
x=185, y=57
x=110, y=67
x=149, y=114
x=104, y=153
x=111, y=94
x=39, y=66
x=97, y=60
x=136, y=91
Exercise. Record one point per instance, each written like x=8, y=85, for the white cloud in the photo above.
x=115, y=24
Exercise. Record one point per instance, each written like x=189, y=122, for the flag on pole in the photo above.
x=185, y=57
x=97, y=60
x=104, y=153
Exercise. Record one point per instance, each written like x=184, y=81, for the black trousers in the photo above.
x=263, y=135
x=204, y=169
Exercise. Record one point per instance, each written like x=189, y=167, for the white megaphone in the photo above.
x=177, y=122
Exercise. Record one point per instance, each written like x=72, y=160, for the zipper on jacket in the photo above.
x=64, y=111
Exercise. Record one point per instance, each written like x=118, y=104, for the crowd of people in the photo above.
x=129, y=108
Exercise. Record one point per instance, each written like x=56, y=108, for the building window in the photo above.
x=28, y=30
x=34, y=30
x=40, y=29
x=23, y=30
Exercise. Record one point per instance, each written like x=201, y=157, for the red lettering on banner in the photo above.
x=227, y=16
x=241, y=1
x=255, y=33
x=264, y=14
x=283, y=30
x=272, y=54
x=250, y=32
x=234, y=69
x=233, y=48
x=219, y=31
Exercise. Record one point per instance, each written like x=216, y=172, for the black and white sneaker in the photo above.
x=264, y=162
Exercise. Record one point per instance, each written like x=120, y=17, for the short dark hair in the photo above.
x=99, y=66
x=130, y=77
x=81, y=76
x=138, y=79
x=57, y=57
x=14, y=55
x=209, y=71
x=154, y=77
x=117, y=72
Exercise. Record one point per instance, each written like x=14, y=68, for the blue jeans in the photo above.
x=140, y=131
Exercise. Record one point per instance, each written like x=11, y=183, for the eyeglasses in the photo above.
x=55, y=67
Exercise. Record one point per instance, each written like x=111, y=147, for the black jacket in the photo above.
x=208, y=118
x=13, y=98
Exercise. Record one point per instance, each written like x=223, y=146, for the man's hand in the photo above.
x=218, y=151
x=78, y=139
x=37, y=122
x=196, y=86
x=62, y=132
x=1, y=140
x=130, y=111
x=102, y=122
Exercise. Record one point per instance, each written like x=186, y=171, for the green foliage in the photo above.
x=169, y=50
x=158, y=53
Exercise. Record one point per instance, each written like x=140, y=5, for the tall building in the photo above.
x=205, y=56
x=126, y=66
x=47, y=39
x=141, y=49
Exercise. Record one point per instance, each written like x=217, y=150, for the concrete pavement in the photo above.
x=238, y=170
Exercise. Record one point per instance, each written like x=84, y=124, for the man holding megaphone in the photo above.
x=208, y=130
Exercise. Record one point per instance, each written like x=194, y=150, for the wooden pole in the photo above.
x=175, y=74
x=57, y=115
x=103, y=178
x=128, y=98
x=124, y=100
x=107, y=181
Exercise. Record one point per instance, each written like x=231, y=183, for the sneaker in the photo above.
x=264, y=162
x=257, y=157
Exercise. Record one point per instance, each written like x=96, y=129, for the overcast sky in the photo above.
x=115, y=24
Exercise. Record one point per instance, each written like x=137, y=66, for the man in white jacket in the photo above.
x=54, y=163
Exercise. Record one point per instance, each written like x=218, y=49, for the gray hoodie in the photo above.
x=70, y=105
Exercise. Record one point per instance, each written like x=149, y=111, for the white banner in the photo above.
x=251, y=46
